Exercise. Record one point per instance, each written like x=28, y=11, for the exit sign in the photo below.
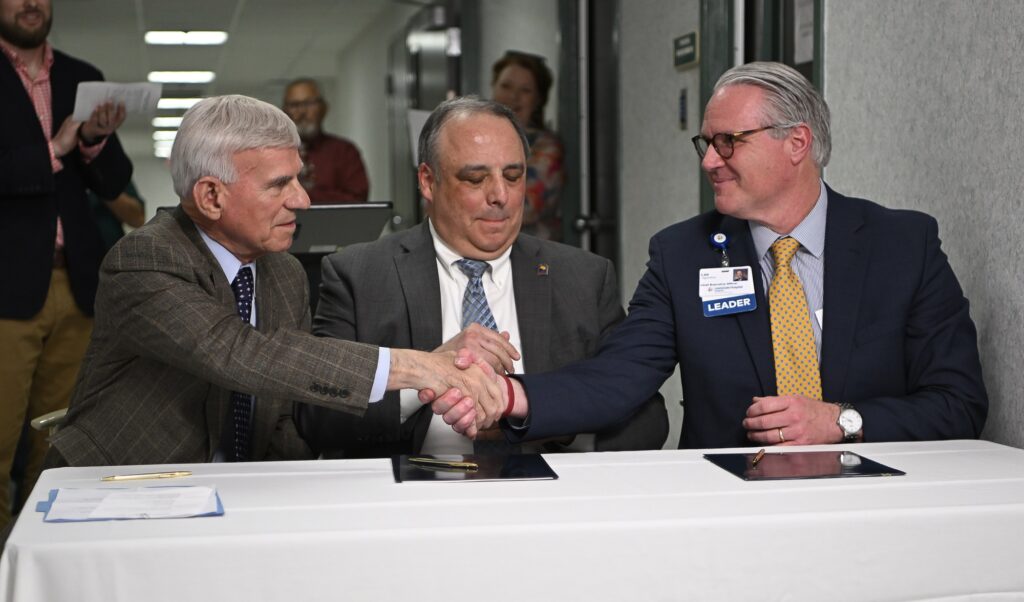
x=685, y=50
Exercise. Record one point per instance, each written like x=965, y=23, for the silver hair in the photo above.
x=790, y=99
x=465, y=105
x=214, y=129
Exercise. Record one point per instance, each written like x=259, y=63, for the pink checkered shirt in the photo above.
x=40, y=92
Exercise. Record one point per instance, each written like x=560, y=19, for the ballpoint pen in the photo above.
x=148, y=475
x=444, y=463
x=757, y=458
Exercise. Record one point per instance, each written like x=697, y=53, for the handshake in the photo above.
x=463, y=379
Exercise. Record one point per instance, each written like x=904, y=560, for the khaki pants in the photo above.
x=39, y=361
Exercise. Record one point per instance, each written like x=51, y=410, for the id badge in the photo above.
x=726, y=290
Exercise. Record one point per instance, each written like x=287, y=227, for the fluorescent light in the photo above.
x=176, y=103
x=162, y=148
x=165, y=134
x=429, y=40
x=166, y=122
x=186, y=38
x=181, y=77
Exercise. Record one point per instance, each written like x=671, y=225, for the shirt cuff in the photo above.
x=90, y=152
x=518, y=425
x=380, y=378
x=55, y=163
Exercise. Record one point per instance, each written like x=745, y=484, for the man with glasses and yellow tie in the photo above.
x=852, y=326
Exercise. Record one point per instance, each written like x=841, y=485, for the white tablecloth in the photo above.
x=660, y=525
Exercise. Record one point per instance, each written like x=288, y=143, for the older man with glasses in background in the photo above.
x=332, y=170
x=851, y=327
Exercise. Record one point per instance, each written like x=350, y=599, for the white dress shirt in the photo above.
x=498, y=287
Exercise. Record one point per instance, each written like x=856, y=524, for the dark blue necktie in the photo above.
x=241, y=403
x=474, y=301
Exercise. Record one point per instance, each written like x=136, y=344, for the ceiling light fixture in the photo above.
x=162, y=148
x=166, y=122
x=181, y=77
x=164, y=135
x=186, y=38
x=176, y=103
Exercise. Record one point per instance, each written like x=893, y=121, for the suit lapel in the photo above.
x=532, y=286
x=417, y=273
x=755, y=326
x=218, y=401
x=846, y=256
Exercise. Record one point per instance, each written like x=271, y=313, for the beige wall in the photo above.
x=359, y=99
x=925, y=98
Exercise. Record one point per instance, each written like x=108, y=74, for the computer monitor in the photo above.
x=325, y=228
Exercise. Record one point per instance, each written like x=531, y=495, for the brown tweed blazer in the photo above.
x=168, y=348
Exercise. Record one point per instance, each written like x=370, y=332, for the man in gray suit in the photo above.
x=172, y=374
x=551, y=301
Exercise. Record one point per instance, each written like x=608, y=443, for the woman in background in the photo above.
x=522, y=82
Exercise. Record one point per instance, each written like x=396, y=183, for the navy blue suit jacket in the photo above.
x=31, y=195
x=898, y=342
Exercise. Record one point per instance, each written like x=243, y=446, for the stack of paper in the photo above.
x=67, y=505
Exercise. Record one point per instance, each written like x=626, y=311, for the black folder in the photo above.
x=440, y=468
x=781, y=465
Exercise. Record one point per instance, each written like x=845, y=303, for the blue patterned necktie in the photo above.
x=241, y=403
x=474, y=301
x=476, y=309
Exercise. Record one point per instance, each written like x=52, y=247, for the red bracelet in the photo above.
x=511, y=397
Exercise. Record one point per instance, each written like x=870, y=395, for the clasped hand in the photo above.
x=475, y=349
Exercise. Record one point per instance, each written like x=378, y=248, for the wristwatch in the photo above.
x=850, y=422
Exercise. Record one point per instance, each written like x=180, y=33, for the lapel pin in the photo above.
x=542, y=269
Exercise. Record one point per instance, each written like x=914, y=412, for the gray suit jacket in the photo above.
x=387, y=293
x=168, y=348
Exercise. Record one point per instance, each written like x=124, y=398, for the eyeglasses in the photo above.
x=308, y=103
x=724, y=142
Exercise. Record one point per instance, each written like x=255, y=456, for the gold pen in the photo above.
x=444, y=463
x=757, y=458
x=148, y=475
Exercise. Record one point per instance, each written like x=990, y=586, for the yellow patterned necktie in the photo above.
x=796, y=359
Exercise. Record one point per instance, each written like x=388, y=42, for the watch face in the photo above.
x=850, y=421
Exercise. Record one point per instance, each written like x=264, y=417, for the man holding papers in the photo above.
x=201, y=341
x=51, y=250
x=850, y=327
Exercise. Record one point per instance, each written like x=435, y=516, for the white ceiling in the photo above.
x=270, y=42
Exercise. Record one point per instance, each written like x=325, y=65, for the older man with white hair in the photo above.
x=200, y=345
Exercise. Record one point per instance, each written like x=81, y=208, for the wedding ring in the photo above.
x=781, y=438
